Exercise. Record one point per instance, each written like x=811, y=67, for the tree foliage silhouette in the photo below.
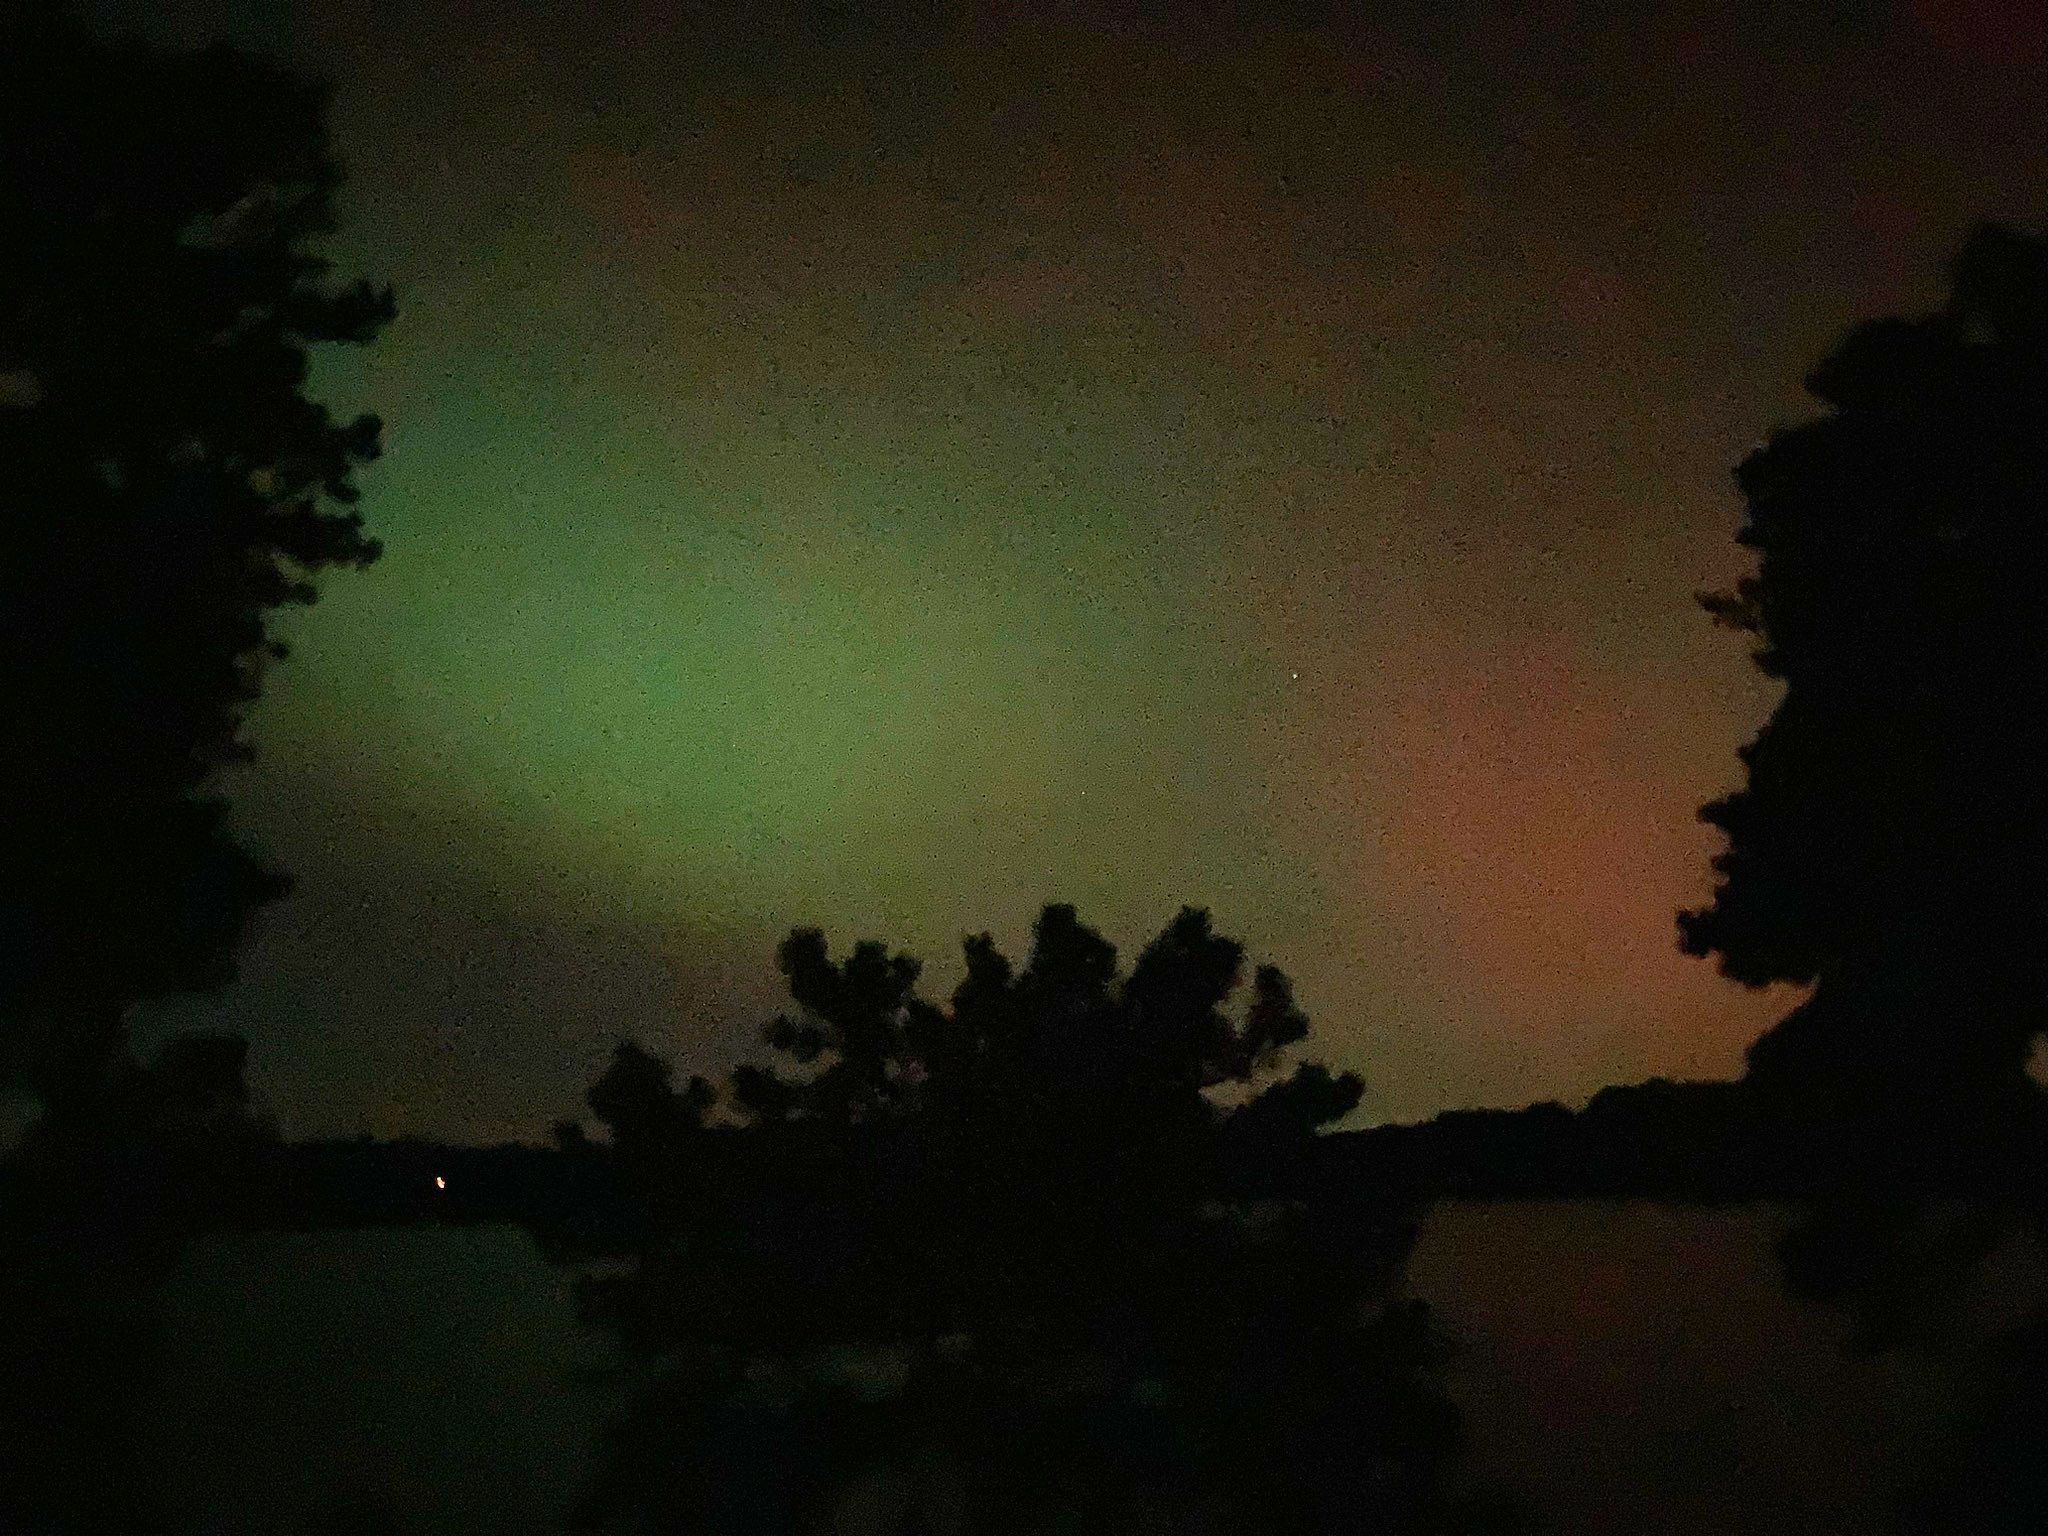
x=167, y=487
x=1891, y=839
x=636, y=1102
x=990, y=1267
x=1064, y=1043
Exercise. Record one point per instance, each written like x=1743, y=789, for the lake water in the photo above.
x=437, y=1371
x=1635, y=1367
x=1630, y=1367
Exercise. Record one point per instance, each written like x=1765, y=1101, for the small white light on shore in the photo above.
x=439, y=1182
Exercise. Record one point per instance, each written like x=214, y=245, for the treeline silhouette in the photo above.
x=1688, y=1142
x=1706, y=1142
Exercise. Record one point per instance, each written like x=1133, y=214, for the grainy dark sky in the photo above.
x=886, y=471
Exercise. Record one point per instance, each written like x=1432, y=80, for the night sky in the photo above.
x=889, y=473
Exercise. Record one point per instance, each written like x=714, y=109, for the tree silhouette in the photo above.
x=635, y=1101
x=1891, y=839
x=985, y=1267
x=653, y=1128
x=1063, y=1044
x=167, y=487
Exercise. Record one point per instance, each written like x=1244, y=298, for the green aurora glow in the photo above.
x=895, y=476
